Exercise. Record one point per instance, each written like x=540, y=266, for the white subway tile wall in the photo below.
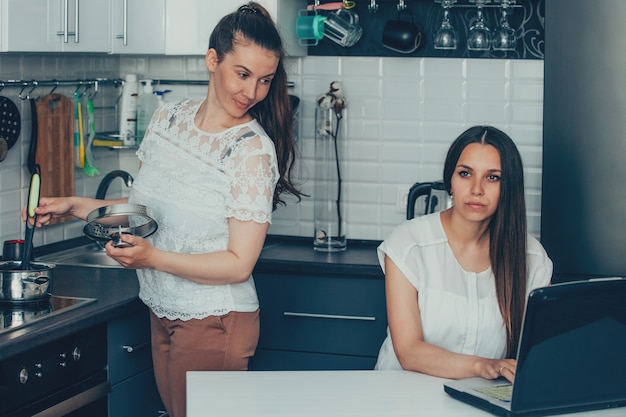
x=14, y=175
x=402, y=115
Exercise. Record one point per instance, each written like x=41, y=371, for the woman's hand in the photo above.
x=50, y=208
x=495, y=368
x=137, y=256
x=54, y=207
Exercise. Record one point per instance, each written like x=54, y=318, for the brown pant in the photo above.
x=216, y=343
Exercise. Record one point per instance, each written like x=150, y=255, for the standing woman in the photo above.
x=212, y=171
x=456, y=281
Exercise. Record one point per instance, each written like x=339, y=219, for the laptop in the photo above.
x=571, y=356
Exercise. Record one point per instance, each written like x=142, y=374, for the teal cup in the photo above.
x=309, y=28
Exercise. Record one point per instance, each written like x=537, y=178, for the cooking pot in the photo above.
x=17, y=284
x=427, y=197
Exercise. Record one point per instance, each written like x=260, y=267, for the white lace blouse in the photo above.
x=459, y=309
x=193, y=182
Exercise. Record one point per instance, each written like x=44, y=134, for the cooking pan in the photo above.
x=19, y=285
x=10, y=125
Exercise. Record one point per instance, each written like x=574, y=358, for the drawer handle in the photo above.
x=329, y=316
x=131, y=349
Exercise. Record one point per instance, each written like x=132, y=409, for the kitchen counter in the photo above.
x=296, y=254
x=116, y=289
x=330, y=394
x=116, y=293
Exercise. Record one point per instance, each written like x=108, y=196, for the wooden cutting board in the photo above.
x=55, y=146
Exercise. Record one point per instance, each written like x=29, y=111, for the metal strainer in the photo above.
x=109, y=222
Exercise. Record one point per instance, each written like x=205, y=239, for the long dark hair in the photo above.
x=507, y=229
x=252, y=23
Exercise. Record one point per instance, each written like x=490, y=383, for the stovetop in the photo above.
x=20, y=314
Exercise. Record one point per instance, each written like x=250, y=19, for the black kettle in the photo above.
x=427, y=197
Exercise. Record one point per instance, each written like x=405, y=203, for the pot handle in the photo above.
x=40, y=280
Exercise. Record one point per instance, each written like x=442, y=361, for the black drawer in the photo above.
x=129, y=345
x=344, y=316
x=136, y=396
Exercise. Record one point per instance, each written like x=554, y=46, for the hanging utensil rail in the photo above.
x=92, y=82
x=34, y=84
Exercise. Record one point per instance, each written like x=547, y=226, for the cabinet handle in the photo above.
x=131, y=348
x=66, y=22
x=66, y=28
x=76, y=20
x=124, y=35
x=78, y=401
x=328, y=316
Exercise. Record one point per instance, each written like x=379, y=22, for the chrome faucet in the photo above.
x=108, y=178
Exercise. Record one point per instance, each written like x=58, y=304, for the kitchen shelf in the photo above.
x=112, y=136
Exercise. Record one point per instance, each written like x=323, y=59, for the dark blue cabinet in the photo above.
x=133, y=388
x=316, y=322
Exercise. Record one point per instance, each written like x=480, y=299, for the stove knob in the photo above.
x=38, y=366
x=76, y=354
x=62, y=357
x=22, y=375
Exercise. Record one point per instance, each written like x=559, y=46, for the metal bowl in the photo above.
x=109, y=222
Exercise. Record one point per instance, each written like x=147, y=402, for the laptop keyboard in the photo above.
x=499, y=392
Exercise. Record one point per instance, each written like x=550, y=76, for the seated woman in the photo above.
x=457, y=281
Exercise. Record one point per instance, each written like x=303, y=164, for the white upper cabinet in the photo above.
x=189, y=23
x=55, y=25
x=138, y=27
x=170, y=27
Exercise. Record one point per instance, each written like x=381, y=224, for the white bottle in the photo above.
x=128, y=110
x=159, y=95
x=146, y=105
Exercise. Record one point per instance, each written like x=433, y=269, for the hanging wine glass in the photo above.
x=479, y=37
x=446, y=36
x=504, y=38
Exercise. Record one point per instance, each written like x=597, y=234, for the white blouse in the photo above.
x=193, y=182
x=459, y=309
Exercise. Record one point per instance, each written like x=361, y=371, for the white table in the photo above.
x=329, y=394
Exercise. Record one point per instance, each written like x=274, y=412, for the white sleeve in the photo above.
x=539, y=265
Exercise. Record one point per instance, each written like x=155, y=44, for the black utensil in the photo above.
x=4, y=148
x=32, y=150
x=33, y=202
x=10, y=124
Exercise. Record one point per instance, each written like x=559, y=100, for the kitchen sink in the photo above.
x=91, y=255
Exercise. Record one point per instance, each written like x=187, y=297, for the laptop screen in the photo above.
x=573, y=348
